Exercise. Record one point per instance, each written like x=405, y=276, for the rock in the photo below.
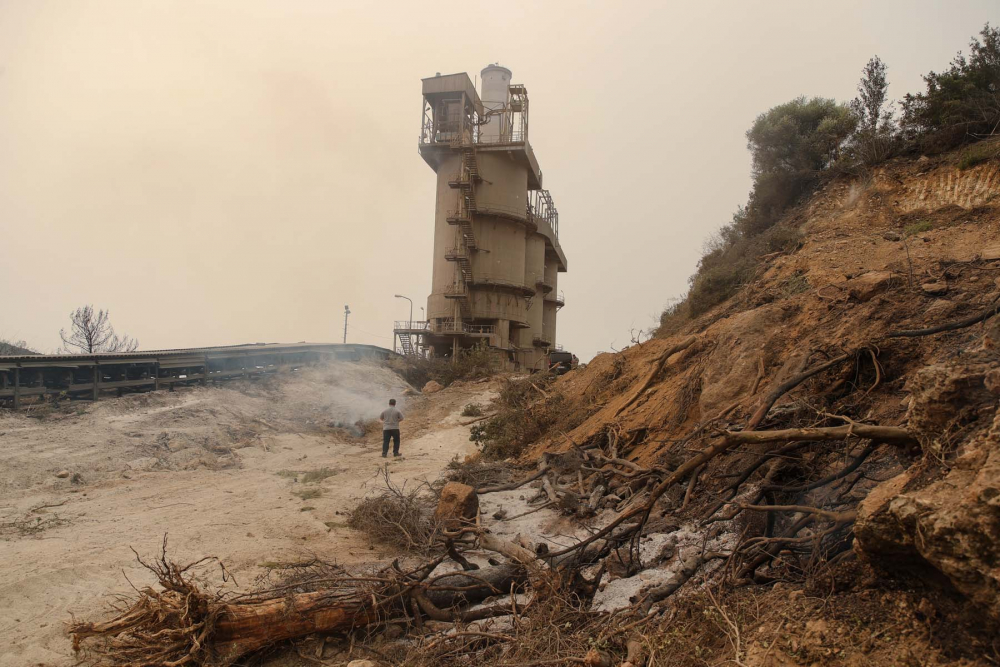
x=990, y=253
x=941, y=391
x=939, y=309
x=892, y=236
x=991, y=337
x=432, y=387
x=361, y=663
x=935, y=288
x=458, y=505
x=992, y=381
x=867, y=286
x=945, y=530
x=817, y=628
x=62, y=474
x=176, y=444
x=595, y=658
x=925, y=609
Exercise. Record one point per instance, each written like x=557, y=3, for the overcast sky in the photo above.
x=227, y=172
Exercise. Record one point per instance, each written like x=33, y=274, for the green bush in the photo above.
x=978, y=154
x=918, y=227
x=723, y=271
x=514, y=427
x=15, y=347
x=960, y=104
x=472, y=364
x=472, y=410
x=794, y=144
x=791, y=145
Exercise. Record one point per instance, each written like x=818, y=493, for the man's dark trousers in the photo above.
x=387, y=434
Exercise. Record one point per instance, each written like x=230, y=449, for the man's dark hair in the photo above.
x=392, y=401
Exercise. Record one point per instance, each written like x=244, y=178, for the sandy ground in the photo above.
x=222, y=471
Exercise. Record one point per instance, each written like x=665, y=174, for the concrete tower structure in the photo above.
x=496, y=231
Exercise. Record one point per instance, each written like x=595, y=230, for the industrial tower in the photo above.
x=496, y=231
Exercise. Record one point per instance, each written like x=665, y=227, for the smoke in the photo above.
x=349, y=393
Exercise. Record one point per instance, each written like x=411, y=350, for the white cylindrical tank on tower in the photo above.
x=496, y=79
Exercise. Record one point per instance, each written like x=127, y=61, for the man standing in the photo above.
x=390, y=428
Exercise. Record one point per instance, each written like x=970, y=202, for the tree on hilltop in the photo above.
x=91, y=332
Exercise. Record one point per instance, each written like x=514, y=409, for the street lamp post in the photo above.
x=400, y=296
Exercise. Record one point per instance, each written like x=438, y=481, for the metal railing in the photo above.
x=542, y=208
x=541, y=340
x=444, y=326
x=458, y=129
x=558, y=299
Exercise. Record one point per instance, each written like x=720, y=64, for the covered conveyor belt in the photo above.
x=87, y=375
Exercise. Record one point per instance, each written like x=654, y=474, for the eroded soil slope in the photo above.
x=879, y=540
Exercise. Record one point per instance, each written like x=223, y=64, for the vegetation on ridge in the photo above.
x=795, y=145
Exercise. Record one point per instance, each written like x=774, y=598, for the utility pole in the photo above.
x=347, y=311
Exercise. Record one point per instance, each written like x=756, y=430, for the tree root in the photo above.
x=982, y=316
x=660, y=363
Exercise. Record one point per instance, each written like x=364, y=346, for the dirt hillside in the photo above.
x=878, y=540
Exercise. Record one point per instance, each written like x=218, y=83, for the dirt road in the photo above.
x=254, y=475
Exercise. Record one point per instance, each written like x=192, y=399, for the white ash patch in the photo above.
x=547, y=526
x=686, y=542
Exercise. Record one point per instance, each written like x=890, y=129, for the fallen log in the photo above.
x=889, y=434
x=181, y=624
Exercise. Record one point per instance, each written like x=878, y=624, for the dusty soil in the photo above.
x=253, y=474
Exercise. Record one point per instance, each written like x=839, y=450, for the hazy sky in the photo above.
x=227, y=172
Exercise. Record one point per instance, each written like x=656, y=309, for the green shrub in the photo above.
x=514, y=427
x=714, y=285
x=673, y=317
x=472, y=410
x=918, y=227
x=796, y=284
x=960, y=104
x=978, y=154
x=790, y=145
x=471, y=364
x=15, y=347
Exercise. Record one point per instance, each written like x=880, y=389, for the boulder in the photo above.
x=432, y=387
x=866, y=286
x=945, y=529
x=990, y=253
x=458, y=506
